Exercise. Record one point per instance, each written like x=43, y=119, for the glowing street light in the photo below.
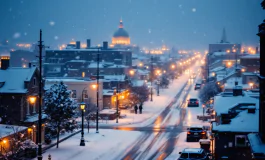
x=94, y=86
x=173, y=66
x=32, y=99
x=131, y=72
x=251, y=85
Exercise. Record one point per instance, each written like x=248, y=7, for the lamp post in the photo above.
x=158, y=84
x=117, y=103
x=203, y=107
x=82, y=107
x=97, y=89
x=151, y=78
x=40, y=98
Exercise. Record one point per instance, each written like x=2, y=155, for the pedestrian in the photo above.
x=135, y=108
x=141, y=108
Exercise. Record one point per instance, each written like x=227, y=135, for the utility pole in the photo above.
x=40, y=98
x=151, y=78
x=117, y=103
x=97, y=89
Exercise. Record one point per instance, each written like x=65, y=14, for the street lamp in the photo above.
x=32, y=99
x=203, y=107
x=158, y=83
x=82, y=107
x=251, y=85
x=117, y=103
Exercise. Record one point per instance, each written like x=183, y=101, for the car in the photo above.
x=194, y=153
x=196, y=132
x=197, y=86
x=193, y=102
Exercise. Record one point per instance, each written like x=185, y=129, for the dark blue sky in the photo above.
x=189, y=24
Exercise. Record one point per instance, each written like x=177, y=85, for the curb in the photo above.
x=61, y=140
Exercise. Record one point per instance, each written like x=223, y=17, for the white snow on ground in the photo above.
x=151, y=108
x=107, y=144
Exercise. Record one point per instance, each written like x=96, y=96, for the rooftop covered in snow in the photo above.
x=12, y=80
x=243, y=122
x=223, y=104
x=6, y=130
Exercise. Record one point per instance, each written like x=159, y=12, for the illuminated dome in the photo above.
x=121, y=36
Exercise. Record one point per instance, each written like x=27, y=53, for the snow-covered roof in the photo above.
x=230, y=83
x=35, y=118
x=251, y=56
x=14, y=79
x=6, y=130
x=223, y=104
x=219, y=53
x=217, y=69
x=107, y=92
x=78, y=61
x=95, y=65
x=138, y=83
x=257, y=146
x=114, y=77
x=243, y=122
x=249, y=74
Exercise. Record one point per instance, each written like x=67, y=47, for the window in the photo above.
x=34, y=81
x=196, y=156
x=85, y=94
x=184, y=155
x=240, y=141
x=73, y=93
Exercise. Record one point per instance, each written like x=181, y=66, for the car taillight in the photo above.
x=203, y=132
x=197, y=102
x=188, y=132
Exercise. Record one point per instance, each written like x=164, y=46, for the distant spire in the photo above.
x=223, y=40
x=121, y=24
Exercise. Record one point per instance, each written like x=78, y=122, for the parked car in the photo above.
x=194, y=153
x=197, y=86
x=193, y=102
x=196, y=132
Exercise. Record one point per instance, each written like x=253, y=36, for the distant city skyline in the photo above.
x=187, y=24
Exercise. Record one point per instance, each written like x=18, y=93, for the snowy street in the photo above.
x=158, y=133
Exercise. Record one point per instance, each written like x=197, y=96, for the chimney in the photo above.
x=30, y=65
x=237, y=91
x=105, y=45
x=251, y=109
x=77, y=44
x=88, y=43
x=4, y=63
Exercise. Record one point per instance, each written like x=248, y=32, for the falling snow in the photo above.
x=25, y=33
x=149, y=31
x=193, y=9
x=16, y=35
x=180, y=6
x=52, y=23
x=77, y=57
x=56, y=37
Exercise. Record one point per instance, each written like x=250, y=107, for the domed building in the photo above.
x=121, y=36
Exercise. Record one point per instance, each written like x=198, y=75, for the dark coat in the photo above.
x=135, y=107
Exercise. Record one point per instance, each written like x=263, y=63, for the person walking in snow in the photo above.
x=135, y=108
x=141, y=108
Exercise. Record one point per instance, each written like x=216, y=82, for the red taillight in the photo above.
x=203, y=132
x=188, y=132
x=197, y=102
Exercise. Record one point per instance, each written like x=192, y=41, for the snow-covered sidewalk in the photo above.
x=107, y=144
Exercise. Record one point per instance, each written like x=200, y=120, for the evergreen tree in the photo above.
x=209, y=90
x=59, y=108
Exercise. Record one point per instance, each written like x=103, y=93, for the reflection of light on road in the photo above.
x=125, y=128
x=158, y=122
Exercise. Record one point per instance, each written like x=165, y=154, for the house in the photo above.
x=83, y=89
x=231, y=137
x=7, y=133
x=19, y=88
x=235, y=117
